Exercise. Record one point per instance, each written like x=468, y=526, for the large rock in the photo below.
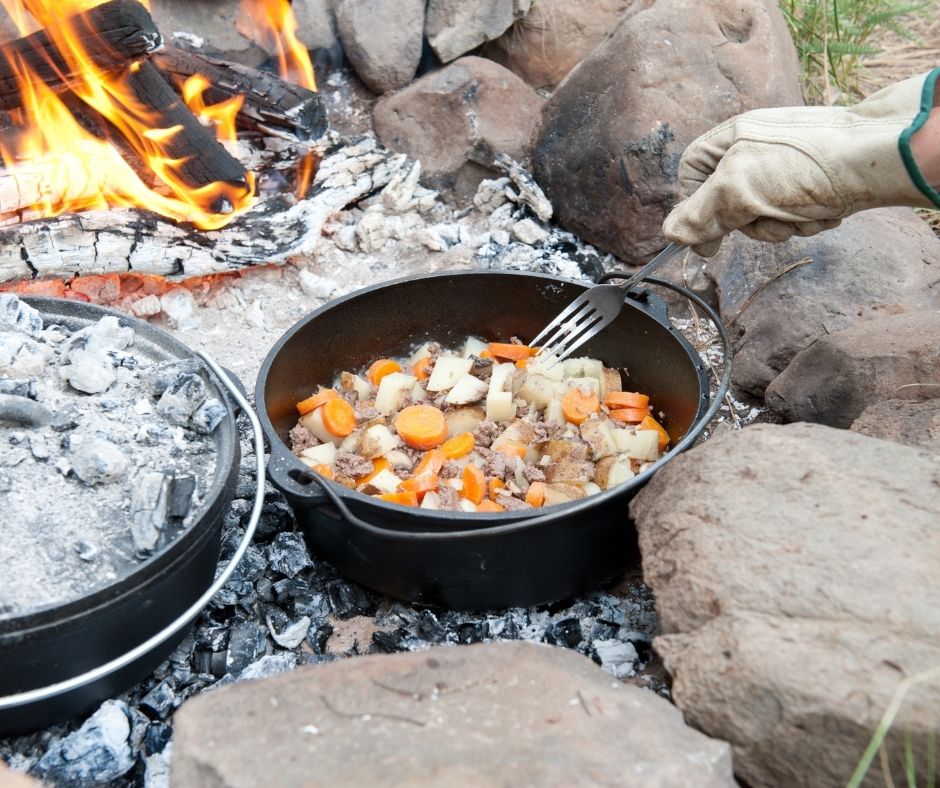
x=554, y=37
x=911, y=422
x=316, y=23
x=457, y=119
x=216, y=22
x=839, y=375
x=382, y=39
x=611, y=136
x=493, y=714
x=794, y=569
x=875, y=264
x=455, y=27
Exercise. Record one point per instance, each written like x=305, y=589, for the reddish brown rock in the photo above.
x=457, y=119
x=609, y=143
x=913, y=423
x=12, y=779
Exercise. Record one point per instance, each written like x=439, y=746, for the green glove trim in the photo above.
x=904, y=141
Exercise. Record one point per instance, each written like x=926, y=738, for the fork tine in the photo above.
x=588, y=327
x=571, y=324
x=595, y=328
x=569, y=310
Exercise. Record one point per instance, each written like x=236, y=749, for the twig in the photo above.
x=369, y=714
x=764, y=285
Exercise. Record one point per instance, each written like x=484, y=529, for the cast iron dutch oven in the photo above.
x=455, y=559
x=62, y=660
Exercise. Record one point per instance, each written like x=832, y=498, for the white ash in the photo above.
x=71, y=497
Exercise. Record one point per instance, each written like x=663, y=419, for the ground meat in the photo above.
x=496, y=464
x=301, y=438
x=438, y=400
x=509, y=503
x=434, y=350
x=533, y=473
x=349, y=464
x=485, y=432
x=351, y=396
x=364, y=412
x=482, y=367
x=451, y=470
x=449, y=497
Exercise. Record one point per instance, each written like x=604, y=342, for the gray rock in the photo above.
x=19, y=387
x=490, y=714
x=212, y=21
x=287, y=554
x=89, y=370
x=382, y=39
x=158, y=377
x=619, y=658
x=208, y=416
x=912, y=423
x=455, y=27
x=98, y=461
x=20, y=356
x=180, y=499
x=149, y=510
x=833, y=380
x=622, y=118
x=794, y=569
x=529, y=232
x=19, y=315
x=182, y=398
x=454, y=121
x=106, y=335
x=316, y=23
x=22, y=410
x=270, y=665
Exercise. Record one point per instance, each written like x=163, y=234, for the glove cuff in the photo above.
x=904, y=141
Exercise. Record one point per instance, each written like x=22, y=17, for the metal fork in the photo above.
x=592, y=311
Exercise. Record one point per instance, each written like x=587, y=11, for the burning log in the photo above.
x=114, y=33
x=271, y=105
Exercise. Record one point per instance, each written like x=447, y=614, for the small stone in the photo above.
x=19, y=387
x=85, y=551
x=291, y=635
x=345, y=238
x=500, y=237
x=24, y=411
x=89, y=370
x=319, y=287
x=182, y=398
x=491, y=193
x=149, y=510
x=371, y=231
x=208, y=416
x=455, y=27
x=68, y=418
x=151, y=434
x=287, y=554
x=158, y=377
x=148, y=306
x=178, y=305
x=19, y=315
x=20, y=356
x=270, y=665
x=99, y=461
x=529, y=232
x=619, y=658
x=143, y=407
x=39, y=447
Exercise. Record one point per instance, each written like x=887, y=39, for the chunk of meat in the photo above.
x=450, y=500
x=510, y=504
x=352, y=465
x=301, y=438
x=365, y=412
x=451, y=470
x=485, y=433
x=533, y=473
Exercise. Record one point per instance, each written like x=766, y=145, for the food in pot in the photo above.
x=490, y=427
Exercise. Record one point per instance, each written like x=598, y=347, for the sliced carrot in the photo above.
x=522, y=363
x=324, y=470
x=512, y=449
x=494, y=486
x=381, y=368
x=407, y=498
x=420, y=485
x=474, y=483
x=510, y=352
x=626, y=399
x=315, y=401
x=421, y=369
x=458, y=446
x=577, y=406
x=485, y=354
x=339, y=418
x=431, y=463
x=489, y=506
x=536, y=494
x=629, y=415
x=421, y=426
x=649, y=423
x=378, y=465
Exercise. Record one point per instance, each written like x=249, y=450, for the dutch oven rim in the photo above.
x=496, y=522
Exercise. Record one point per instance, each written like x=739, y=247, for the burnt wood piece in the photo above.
x=271, y=104
x=114, y=34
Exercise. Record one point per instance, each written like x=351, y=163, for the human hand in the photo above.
x=774, y=173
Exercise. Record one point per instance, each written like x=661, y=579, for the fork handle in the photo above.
x=661, y=259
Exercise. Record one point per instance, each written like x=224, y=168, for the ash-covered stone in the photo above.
x=247, y=643
x=286, y=633
x=98, y=461
x=39, y=447
x=121, y=359
x=208, y=416
x=105, y=335
x=619, y=658
x=287, y=554
x=152, y=434
x=149, y=510
x=158, y=377
x=89, y=370
x=24, y=411
x=65, y=419
x=529, y=192
x=19, y=387
x=19, y=315
x=20, y=356
x=182, y=398
x=85, y=550
x=269, y=665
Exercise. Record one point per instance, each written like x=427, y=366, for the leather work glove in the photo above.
x=773, y=173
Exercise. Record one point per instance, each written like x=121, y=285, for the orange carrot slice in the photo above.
x=629, y=415
x=512, y=449
x=494, y=486
x=649, y=423
x=626, y=399
x=577, y=406
x=407, y=498
x=324, y=470
x=421, y=369
x=381, y=368
x=339, y=418
x=458, y=446
x=378, y=465
x=489, y=506
x=431, y=463
x=315, y=401
x=474, y=483
x=536, y=494
x=510, y=352
x=421, y=426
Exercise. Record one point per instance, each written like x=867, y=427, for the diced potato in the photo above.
x=538, y=390
x=519, y=431
x=418, y=394
x=431, y=501
x=599, y=435
x=313, y=421
x=473, y=347
x=585, y=384
x=422, y=352
x=562, y=493
x=612, y=471
x=545, y=368
x=392, y=391
x=385, y=481
x=560, y=450
x=398, y=459
x=447, y=371
x=555, y=412
x=463, y=419
x=350, y=382
x=466, y=506
x=499, y=406
x=501, y=377
x=583, y=368
x=569, y=471
x=590, y=488
x=610, y=381
x=370, y=443
x=324, y=454
x=639, y=444
x=466, y=390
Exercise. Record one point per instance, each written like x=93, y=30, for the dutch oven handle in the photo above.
x=311, y=489
x=187, y=617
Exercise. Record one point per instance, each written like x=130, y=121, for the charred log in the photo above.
x=271, y=105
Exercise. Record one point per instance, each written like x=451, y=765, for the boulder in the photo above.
x=911, y=422
x=621, y=119
x=214, y=21
x=554, y=37
x=839, y=375
x=382, y=39
x=876, y=263
x=794, y=570
x=316, y=23
x=487, y=714
x=455, y=122
x=455, y=27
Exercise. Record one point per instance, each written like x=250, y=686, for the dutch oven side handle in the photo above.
x=188, y=615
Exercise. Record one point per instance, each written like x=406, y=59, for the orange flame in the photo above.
x=221, y=116
x=74, y=169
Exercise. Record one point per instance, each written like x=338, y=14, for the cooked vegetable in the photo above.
x=447, y=371
x=350, y=382
x=610, y=381
x=639, y=444
x=569, y=471
x=466, y=390
x=577, y=406
x=324, y=470
x=599, y=435
x=381, y=368
x=510, y=352
x=339, y=418
x=499, y=404
x=562, y=493
x=558, y=450
x=538, y=389
x=375, y=441
x=473, y=347
x=629, y=415
x=535, y=496
x=626, y=399
x=493, y=486
x=313, y=421
x=421, y=369
x=458, y=446
x=378, y=465
x=384, y=481
x=474, y=483
x=421, y=426
x=392, y=392
x=313, y=402
x=324, y=454
x=612, y=471
x=463, y=419
x=649, y=423
x=487, y=505
x=403, y=498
